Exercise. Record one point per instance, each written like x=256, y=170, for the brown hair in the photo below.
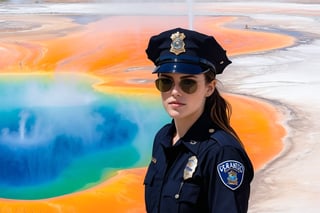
x=220, y=109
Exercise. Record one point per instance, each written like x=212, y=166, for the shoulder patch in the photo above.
x=231, y=173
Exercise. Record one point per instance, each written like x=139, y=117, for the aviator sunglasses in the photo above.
x=188, y=86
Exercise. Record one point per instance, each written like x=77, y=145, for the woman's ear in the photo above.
x=211, y=87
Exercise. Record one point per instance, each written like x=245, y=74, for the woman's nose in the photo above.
x=176, y=90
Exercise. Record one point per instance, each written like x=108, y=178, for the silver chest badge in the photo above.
x=190, y=167
x=187, y=173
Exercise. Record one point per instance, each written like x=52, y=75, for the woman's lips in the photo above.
x=176, y=103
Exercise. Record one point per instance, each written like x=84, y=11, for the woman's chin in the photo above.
x=175, y=114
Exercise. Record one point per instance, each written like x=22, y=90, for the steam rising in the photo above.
x=47, y=123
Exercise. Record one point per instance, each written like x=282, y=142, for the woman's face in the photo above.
x=184, y=95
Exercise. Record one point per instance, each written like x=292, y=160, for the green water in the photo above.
x=70, y=108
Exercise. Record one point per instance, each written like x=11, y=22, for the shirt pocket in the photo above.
x=151, y=190
x=185, y=194
x=189, y=193
x=150, y=175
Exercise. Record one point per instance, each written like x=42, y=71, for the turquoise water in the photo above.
x=58, y=135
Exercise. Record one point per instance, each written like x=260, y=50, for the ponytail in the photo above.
x=220, y=109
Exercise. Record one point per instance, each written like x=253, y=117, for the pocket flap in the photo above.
x=189, y=192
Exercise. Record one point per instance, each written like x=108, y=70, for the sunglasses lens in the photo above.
x=164, y=84
x=188, y=85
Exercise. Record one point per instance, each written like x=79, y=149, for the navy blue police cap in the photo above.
x=186, y=51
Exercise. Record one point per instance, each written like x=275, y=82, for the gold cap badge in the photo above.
x=177, y=44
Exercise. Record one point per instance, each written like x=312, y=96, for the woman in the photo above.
x=198, y=162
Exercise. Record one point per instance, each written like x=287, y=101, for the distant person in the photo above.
x=198, y=161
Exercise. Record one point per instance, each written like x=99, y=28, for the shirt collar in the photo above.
x=199, y=131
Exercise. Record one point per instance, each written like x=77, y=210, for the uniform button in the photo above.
x=176, y=196
x=193, y=142
x=211, y=130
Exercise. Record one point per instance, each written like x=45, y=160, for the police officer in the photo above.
x=198, y=162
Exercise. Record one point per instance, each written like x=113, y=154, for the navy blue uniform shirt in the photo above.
x=203, y=172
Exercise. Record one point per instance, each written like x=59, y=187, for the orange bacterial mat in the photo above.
x=113, y=50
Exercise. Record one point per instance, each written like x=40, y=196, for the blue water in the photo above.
x=58, y=135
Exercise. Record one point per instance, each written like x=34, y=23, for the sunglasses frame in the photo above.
x=187, y=85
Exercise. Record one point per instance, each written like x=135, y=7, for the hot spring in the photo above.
x=58, y=135
x=79, y=109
